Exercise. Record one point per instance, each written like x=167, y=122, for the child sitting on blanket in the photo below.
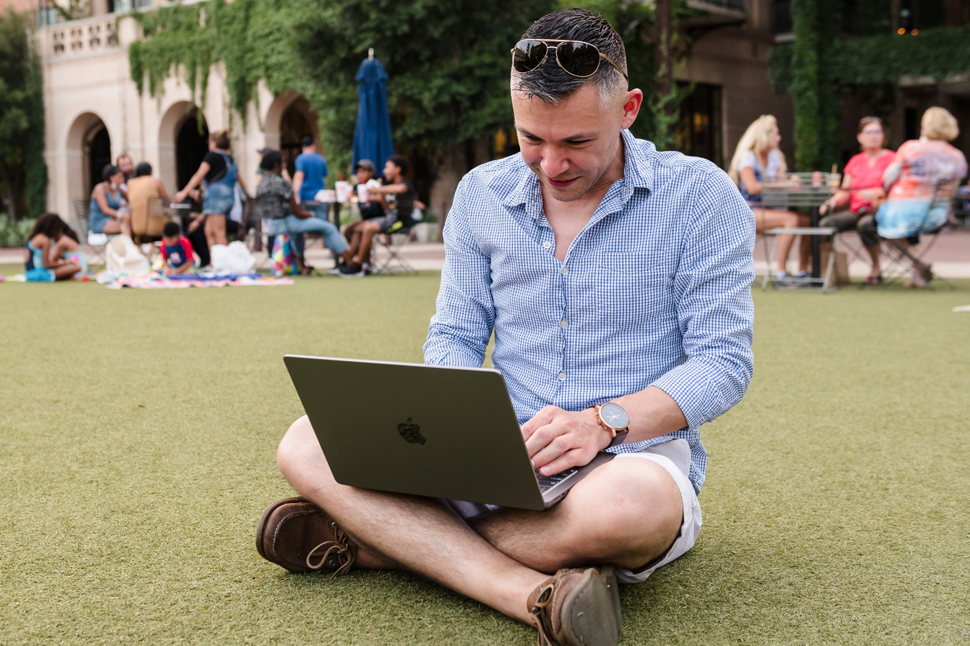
x=41, y=265
x=177, y=256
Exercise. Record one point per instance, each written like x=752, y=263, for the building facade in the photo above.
x=94, y=112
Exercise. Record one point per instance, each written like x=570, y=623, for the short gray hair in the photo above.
x=549, y=82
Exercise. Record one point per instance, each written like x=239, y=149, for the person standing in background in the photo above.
x=218, y=175
x=308, y=180
x=311, y=171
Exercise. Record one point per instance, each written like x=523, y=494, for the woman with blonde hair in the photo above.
x=923, y=176
x=757, y=159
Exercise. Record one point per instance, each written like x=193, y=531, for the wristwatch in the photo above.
x=613, y=418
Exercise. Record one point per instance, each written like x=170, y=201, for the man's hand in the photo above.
x=557, y=440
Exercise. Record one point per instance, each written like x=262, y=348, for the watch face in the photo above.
x=614, y=415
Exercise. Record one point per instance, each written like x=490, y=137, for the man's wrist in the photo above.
x=603, y=437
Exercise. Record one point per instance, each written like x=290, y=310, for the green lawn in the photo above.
x=137, y=442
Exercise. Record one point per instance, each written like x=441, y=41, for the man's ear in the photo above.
x=631, y=107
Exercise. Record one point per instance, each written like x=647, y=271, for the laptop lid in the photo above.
x=424, y=430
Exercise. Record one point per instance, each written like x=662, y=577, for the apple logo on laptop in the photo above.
x=411, y=432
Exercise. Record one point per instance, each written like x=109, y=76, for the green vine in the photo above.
x=815, y=93
x=175, y=42
x=936, y=53
x=247, y=36
x=819, y=67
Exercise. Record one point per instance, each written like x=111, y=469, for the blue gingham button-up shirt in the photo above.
x=655, y=290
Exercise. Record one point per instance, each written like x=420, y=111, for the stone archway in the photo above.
x=181, y=145
x=87, y=151
x=289, y=118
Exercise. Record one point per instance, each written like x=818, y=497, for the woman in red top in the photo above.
x=862, y=190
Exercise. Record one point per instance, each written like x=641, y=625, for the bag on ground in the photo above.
x=232, y=259
x=284, y=258
x=124, y=258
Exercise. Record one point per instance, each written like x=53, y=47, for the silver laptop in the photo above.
x=424, y=430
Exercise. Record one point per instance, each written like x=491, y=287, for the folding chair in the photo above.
x=263, y=209
x=96, y=241
x=902, y=259
x=392, y=243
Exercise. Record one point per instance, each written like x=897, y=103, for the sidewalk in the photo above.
x=950, y=256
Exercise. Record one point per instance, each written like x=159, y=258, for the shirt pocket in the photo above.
x=633, y=289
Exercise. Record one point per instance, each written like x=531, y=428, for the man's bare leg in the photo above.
x=624, y=513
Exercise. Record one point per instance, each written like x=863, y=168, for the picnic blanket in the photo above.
x=181, y=281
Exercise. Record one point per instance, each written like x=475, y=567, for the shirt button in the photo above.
x=562, y=376
x=564, y=271
x=546, y=245
x=563, y=324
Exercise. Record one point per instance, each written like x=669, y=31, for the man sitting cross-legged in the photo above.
x=609, y=272
x=398, y=216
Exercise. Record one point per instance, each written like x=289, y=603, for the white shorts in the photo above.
x=674, y=457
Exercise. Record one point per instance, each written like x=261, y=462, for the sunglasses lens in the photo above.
x=527, y=55
x=579, y=59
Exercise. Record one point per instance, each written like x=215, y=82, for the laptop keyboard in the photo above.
x=548, y=482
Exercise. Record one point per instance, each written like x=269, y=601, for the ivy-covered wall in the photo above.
x=820, y=66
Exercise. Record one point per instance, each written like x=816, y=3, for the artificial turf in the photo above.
x=138, y=431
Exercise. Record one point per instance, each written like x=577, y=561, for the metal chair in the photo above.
x=96, y=241
x=392, y=243
x=901, y=260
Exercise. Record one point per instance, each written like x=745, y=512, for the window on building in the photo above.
x=699, y=130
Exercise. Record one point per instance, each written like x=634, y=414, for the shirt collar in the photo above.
x=637, y=173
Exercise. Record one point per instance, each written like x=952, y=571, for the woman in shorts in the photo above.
x=218, y=175
x=757, y=159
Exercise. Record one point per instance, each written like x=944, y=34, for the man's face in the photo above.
x=124, y=163
x=364, y=174
x=570, y=146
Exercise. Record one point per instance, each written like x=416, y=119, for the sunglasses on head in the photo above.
x=575, y=57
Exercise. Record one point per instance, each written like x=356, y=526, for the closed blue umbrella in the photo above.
x=372, y=136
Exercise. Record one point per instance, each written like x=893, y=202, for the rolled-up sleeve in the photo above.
x=712, y=288
x=465, y=314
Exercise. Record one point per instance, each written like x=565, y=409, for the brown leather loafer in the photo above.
x=578, y=607
x=296, y=534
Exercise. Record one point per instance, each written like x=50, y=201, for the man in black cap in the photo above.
x=371, y=204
